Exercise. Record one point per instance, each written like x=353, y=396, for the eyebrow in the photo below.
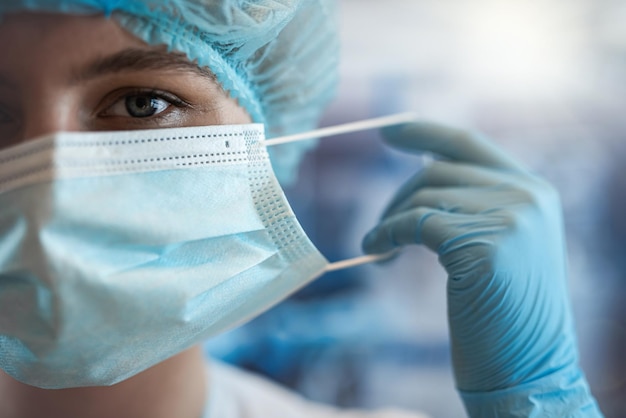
x=133, y=59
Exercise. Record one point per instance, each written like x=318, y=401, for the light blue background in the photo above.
x=546, y=80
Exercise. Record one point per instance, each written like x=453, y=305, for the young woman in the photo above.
x=139, y=215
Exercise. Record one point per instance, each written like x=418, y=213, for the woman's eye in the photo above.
x=139, y=106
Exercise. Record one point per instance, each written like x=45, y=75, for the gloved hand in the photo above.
x=498, y=232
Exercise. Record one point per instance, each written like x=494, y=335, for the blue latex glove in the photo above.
x=498, y=232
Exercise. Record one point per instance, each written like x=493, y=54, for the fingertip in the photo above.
x=450, y=143
x=368, y=242
x=394, y=131
x=414, y=134
x=372, y=243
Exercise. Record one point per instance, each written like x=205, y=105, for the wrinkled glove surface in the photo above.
x=498, y=232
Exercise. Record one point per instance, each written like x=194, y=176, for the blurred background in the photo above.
x=545, y=79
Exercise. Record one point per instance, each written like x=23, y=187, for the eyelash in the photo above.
x=169, y=98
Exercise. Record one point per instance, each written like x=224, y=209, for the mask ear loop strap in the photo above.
x=345, y=128
x=342, y=129
x=357, y=261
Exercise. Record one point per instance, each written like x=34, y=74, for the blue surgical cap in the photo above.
x=278, y=58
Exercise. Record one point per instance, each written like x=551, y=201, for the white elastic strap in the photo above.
x=357, y=261
x=346, y=128
x=343, y=129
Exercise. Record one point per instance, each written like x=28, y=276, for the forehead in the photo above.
x=55, y=30
x=49, y=43
x=60, y=50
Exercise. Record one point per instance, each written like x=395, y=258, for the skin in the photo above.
x=54, y=76
x=68, y=73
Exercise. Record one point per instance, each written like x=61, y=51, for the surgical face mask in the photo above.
x=121, y=249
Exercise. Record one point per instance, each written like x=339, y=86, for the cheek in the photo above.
x=211, y=107
x=231, y=113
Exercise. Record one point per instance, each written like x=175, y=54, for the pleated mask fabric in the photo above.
x=121, y=249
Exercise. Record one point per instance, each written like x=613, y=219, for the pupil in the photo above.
x=141, y=106
x=142, y=102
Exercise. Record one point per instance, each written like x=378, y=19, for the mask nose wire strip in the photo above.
x=342, y=129
x=345, y=128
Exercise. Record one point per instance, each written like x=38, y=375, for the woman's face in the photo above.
x=70, y=73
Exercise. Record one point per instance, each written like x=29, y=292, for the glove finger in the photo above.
x=431, y=227
x=457, y=200
x=447, y=174
x=450, y=143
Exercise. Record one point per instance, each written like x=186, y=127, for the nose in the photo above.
x=49, y=112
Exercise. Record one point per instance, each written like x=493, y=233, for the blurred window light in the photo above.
x=527, y=47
